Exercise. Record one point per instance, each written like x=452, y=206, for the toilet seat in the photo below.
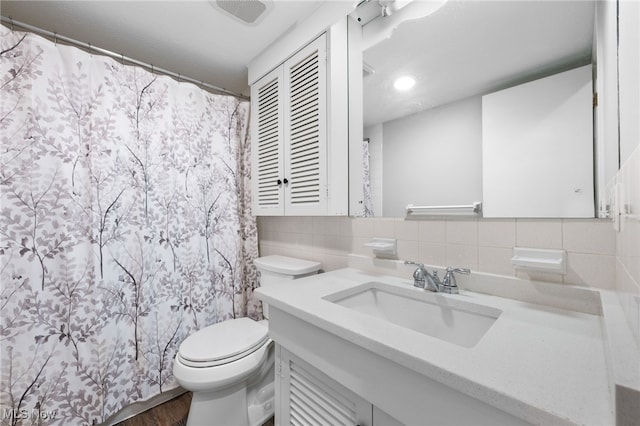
x=213, y=379
x=222, y=343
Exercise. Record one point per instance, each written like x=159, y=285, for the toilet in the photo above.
x=229, y=366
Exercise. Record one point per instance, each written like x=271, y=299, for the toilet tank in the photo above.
x=276, y=269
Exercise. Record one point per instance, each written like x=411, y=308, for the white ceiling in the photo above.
x=191, y=37
x=473, y=47
x=464, y=48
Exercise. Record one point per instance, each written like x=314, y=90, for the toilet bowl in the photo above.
x=229, y=366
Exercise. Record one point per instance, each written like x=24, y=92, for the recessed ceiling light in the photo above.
x=404, y=83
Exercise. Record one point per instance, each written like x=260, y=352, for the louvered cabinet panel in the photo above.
x=267, y=144
x=305, y=130
x=289, y=142
x=310, y=398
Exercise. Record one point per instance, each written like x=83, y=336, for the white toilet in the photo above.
x=229, y=366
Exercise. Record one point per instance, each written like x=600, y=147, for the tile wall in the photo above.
x=628, y=241
x=480, y=244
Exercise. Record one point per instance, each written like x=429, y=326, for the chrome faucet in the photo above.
x=423, y=279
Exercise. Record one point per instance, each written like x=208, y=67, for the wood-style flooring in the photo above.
x=171, y=413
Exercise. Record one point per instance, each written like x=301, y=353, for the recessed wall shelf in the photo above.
x=383, y=247
x=542, y=260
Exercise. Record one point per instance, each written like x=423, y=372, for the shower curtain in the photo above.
x=367, y=198
x=125, y=227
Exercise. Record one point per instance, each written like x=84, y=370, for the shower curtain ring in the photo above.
x=151, y=68
x=11, y=21
x=55, y=38
x=122, y=58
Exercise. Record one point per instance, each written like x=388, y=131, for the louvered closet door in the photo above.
x=267, y=145
x=311, y=398
x=305, y=130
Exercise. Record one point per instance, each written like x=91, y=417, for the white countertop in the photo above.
x=543, y=364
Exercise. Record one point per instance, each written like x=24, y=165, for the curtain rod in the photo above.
x=118, y=56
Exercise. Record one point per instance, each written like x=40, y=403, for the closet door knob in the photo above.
x=286, y=181
x=279, y=182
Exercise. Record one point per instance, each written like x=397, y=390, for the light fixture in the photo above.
x=404, y=83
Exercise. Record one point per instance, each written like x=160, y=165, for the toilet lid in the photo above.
x=223, y=342
x=286, y=265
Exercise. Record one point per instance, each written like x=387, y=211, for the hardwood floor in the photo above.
x=171, y=413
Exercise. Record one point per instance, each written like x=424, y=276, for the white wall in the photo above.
x=433, y=157
x=606, y=121
x=629, y=75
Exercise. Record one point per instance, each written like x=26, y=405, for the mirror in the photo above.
x=424, y=145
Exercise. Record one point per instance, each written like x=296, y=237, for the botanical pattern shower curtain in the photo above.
x=124, y=228
x=367, y=198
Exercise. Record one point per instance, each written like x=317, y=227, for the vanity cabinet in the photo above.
x=306, y=396
x=320, y=375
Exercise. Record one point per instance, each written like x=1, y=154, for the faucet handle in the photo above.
x=449, y=284
x=464, y=271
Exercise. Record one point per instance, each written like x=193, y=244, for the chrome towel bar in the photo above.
x=460, y=210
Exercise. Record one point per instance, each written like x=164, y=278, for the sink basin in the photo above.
x=448, y=319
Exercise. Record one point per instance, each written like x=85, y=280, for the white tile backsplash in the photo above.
x=497, y=233
x=495, y=260
x=384, y=227
x=407, y=230
x=591, y=270
x=432, y=253
x=479, y=244
x=632, y=255
x=358, y=246
x=462, y=231
x=362, y=227
x=462, y=256
x=432, y=230
x=320, y=242
x=591, y=236
x=338, y=244
x=319, y=225
x=540, y=276
x=332, y=262
x=408, y=249
x=539, y=233
x=628, y=242
x=305, y=241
